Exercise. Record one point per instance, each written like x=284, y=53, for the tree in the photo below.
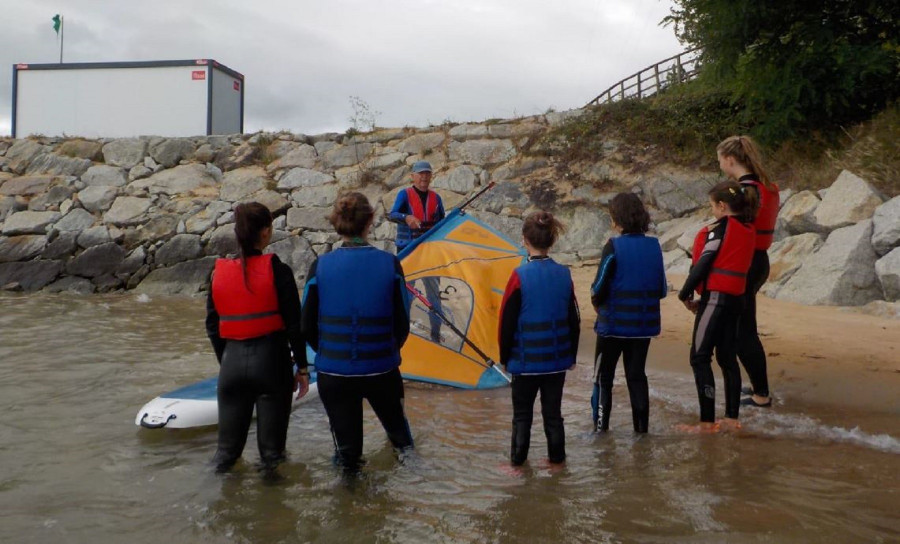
x=797, y=65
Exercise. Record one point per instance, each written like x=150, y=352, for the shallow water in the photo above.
x=74, y=467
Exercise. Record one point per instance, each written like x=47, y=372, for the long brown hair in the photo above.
x=541, y=229
x=745, y=151
x=351, y=215
x=250, y=219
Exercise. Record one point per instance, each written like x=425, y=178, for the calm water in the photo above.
x=74, y=468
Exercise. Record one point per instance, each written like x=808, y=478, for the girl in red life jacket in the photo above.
x=739, y=159
x=539, y=330
x=720, y=261
x=253, y=322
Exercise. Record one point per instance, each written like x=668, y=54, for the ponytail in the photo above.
x=250, y=219
x=735, y=197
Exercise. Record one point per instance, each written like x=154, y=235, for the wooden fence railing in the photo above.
x=654, y=78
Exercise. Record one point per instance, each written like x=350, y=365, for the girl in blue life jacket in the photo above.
x=539, y=329
x=253, y=322
x=630, y=282
x=356, y=318
x=720, y=261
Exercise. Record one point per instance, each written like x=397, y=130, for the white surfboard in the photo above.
x=195, y=406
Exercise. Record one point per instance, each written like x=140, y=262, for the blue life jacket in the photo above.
x=632, y=309
x=356, y=307
x=542, y=344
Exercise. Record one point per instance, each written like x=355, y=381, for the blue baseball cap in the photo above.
x=421, y=166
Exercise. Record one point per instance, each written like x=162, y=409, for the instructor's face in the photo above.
x=421, y=181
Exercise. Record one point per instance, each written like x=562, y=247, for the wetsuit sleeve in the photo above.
x=700, y=271
x=401, y=305
x=212, y=327
x=401, y=208
x=440, y=213
x=574, y=321
x=309, y=313
x=606, y=270
x=509, y=316
x=289, y=308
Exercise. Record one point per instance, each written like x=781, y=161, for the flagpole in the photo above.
x=62, y=36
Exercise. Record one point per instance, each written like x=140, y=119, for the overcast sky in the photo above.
x=414, y=62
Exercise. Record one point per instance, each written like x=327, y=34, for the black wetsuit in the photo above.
x=715, y=329
x=750, y=350
x=258, y=373
x=342, y=396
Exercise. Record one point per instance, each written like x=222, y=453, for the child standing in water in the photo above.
x=739, y=159
x=720, y=261
x=539, y=329
x=630, y=281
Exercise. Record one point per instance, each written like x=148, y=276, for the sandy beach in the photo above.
x=844, y=364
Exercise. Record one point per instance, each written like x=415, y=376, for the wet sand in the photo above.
x=834, y=360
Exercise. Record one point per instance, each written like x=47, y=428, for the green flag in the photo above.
x=57, y=22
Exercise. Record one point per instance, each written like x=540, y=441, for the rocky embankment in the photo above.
x=152, y=214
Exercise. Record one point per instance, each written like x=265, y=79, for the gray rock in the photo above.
x=202, y=221
x=8, y=205
x=887, y=269
x=386, y=160
x=127, y=210
x=686, y=240
x=30, y=275
x=61, y=247
x=168, y=152
x=52, y=198
x=304, y=156
x=159, y=227
x=849, y=200
x=347, y=155
x=398, y=176
x=187, y=278
x=678, y=193
x=676, y=261
x=76, y=220
x=25, y=185
x=461, y=179
x=225, y=218
x=841, y=273
x=503, y=195
x=295, y=252
x=786, y=257
x=886, y=226
x=245, y=155
x=125, y=152
x=21, y=153
x=102, y=174
x=97, y=260
x=56, y=165
x=181, y=180
x=133, y=262
x=308, y=218
x=82, y=149
x=222, y=242
x=587, y=230
x=28, y=222
x=204, y=153
x=71, y=284
x=514, y=130
x=93, y=236
x=237, y=185
x=468, y=131
x=518, y=168
x=321, y=196
x=21, y=248
x=303, y=177
x=181, y=247
x=97, y=198
x=139, y=172
x=482, y=152
x=798, y=214
x=275, y=201
x=557, y=118
x=670, y=231
x=419, y=143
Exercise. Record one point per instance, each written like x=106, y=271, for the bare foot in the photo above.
x=729, y=425
x=700, y=428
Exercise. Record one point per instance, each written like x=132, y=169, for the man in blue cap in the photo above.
x=416, y=210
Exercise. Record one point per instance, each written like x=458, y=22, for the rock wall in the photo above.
x=152, y=214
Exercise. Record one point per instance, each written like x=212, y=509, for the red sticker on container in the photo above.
x=198, y=74
x=237, y=85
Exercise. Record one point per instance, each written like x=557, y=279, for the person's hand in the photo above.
x=301, y=384
x=691, y=305
x=413, y=222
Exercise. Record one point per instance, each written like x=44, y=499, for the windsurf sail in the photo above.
x=457, y=273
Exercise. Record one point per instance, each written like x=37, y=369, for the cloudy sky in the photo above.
x=413, y=62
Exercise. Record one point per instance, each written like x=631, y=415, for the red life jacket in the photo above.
x=426, y=216
x=729, y=269
x=246, y=313
x=769, y=203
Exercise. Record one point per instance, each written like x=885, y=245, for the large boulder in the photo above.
x=303, y=156
x=187, y=278
x=786, y=257
x=82, y=149
x=30, y=275
x=841, y=272
x=504, y=195
x=62, y=247
x=849, y=200
x=222, y=241
x=670, y=231
x=168, y=152
x=296, y=252
x=468, y=131
x=275, y=201
x=97, y=261
x=21, y=153
x=127, y=210
x=51, y=199
x=678, y=193
x=97, y=198
x=347, y=155
x=587, y=230
x=21, y=248
x=57, y=165
x=29, y=222
x=482, y=152
x=238, y=184
x=321, y=196
x=180, y=248
x=181, y=180
x=886, y=226
x=93, y=236
x=887, y=269
x=460, y=179
x=125, y=152
x=304, y=177
x=420, y=143
x=798, y=213
x=76, y=220
x=103, y=174
x=25, y=185
x=308, y=218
